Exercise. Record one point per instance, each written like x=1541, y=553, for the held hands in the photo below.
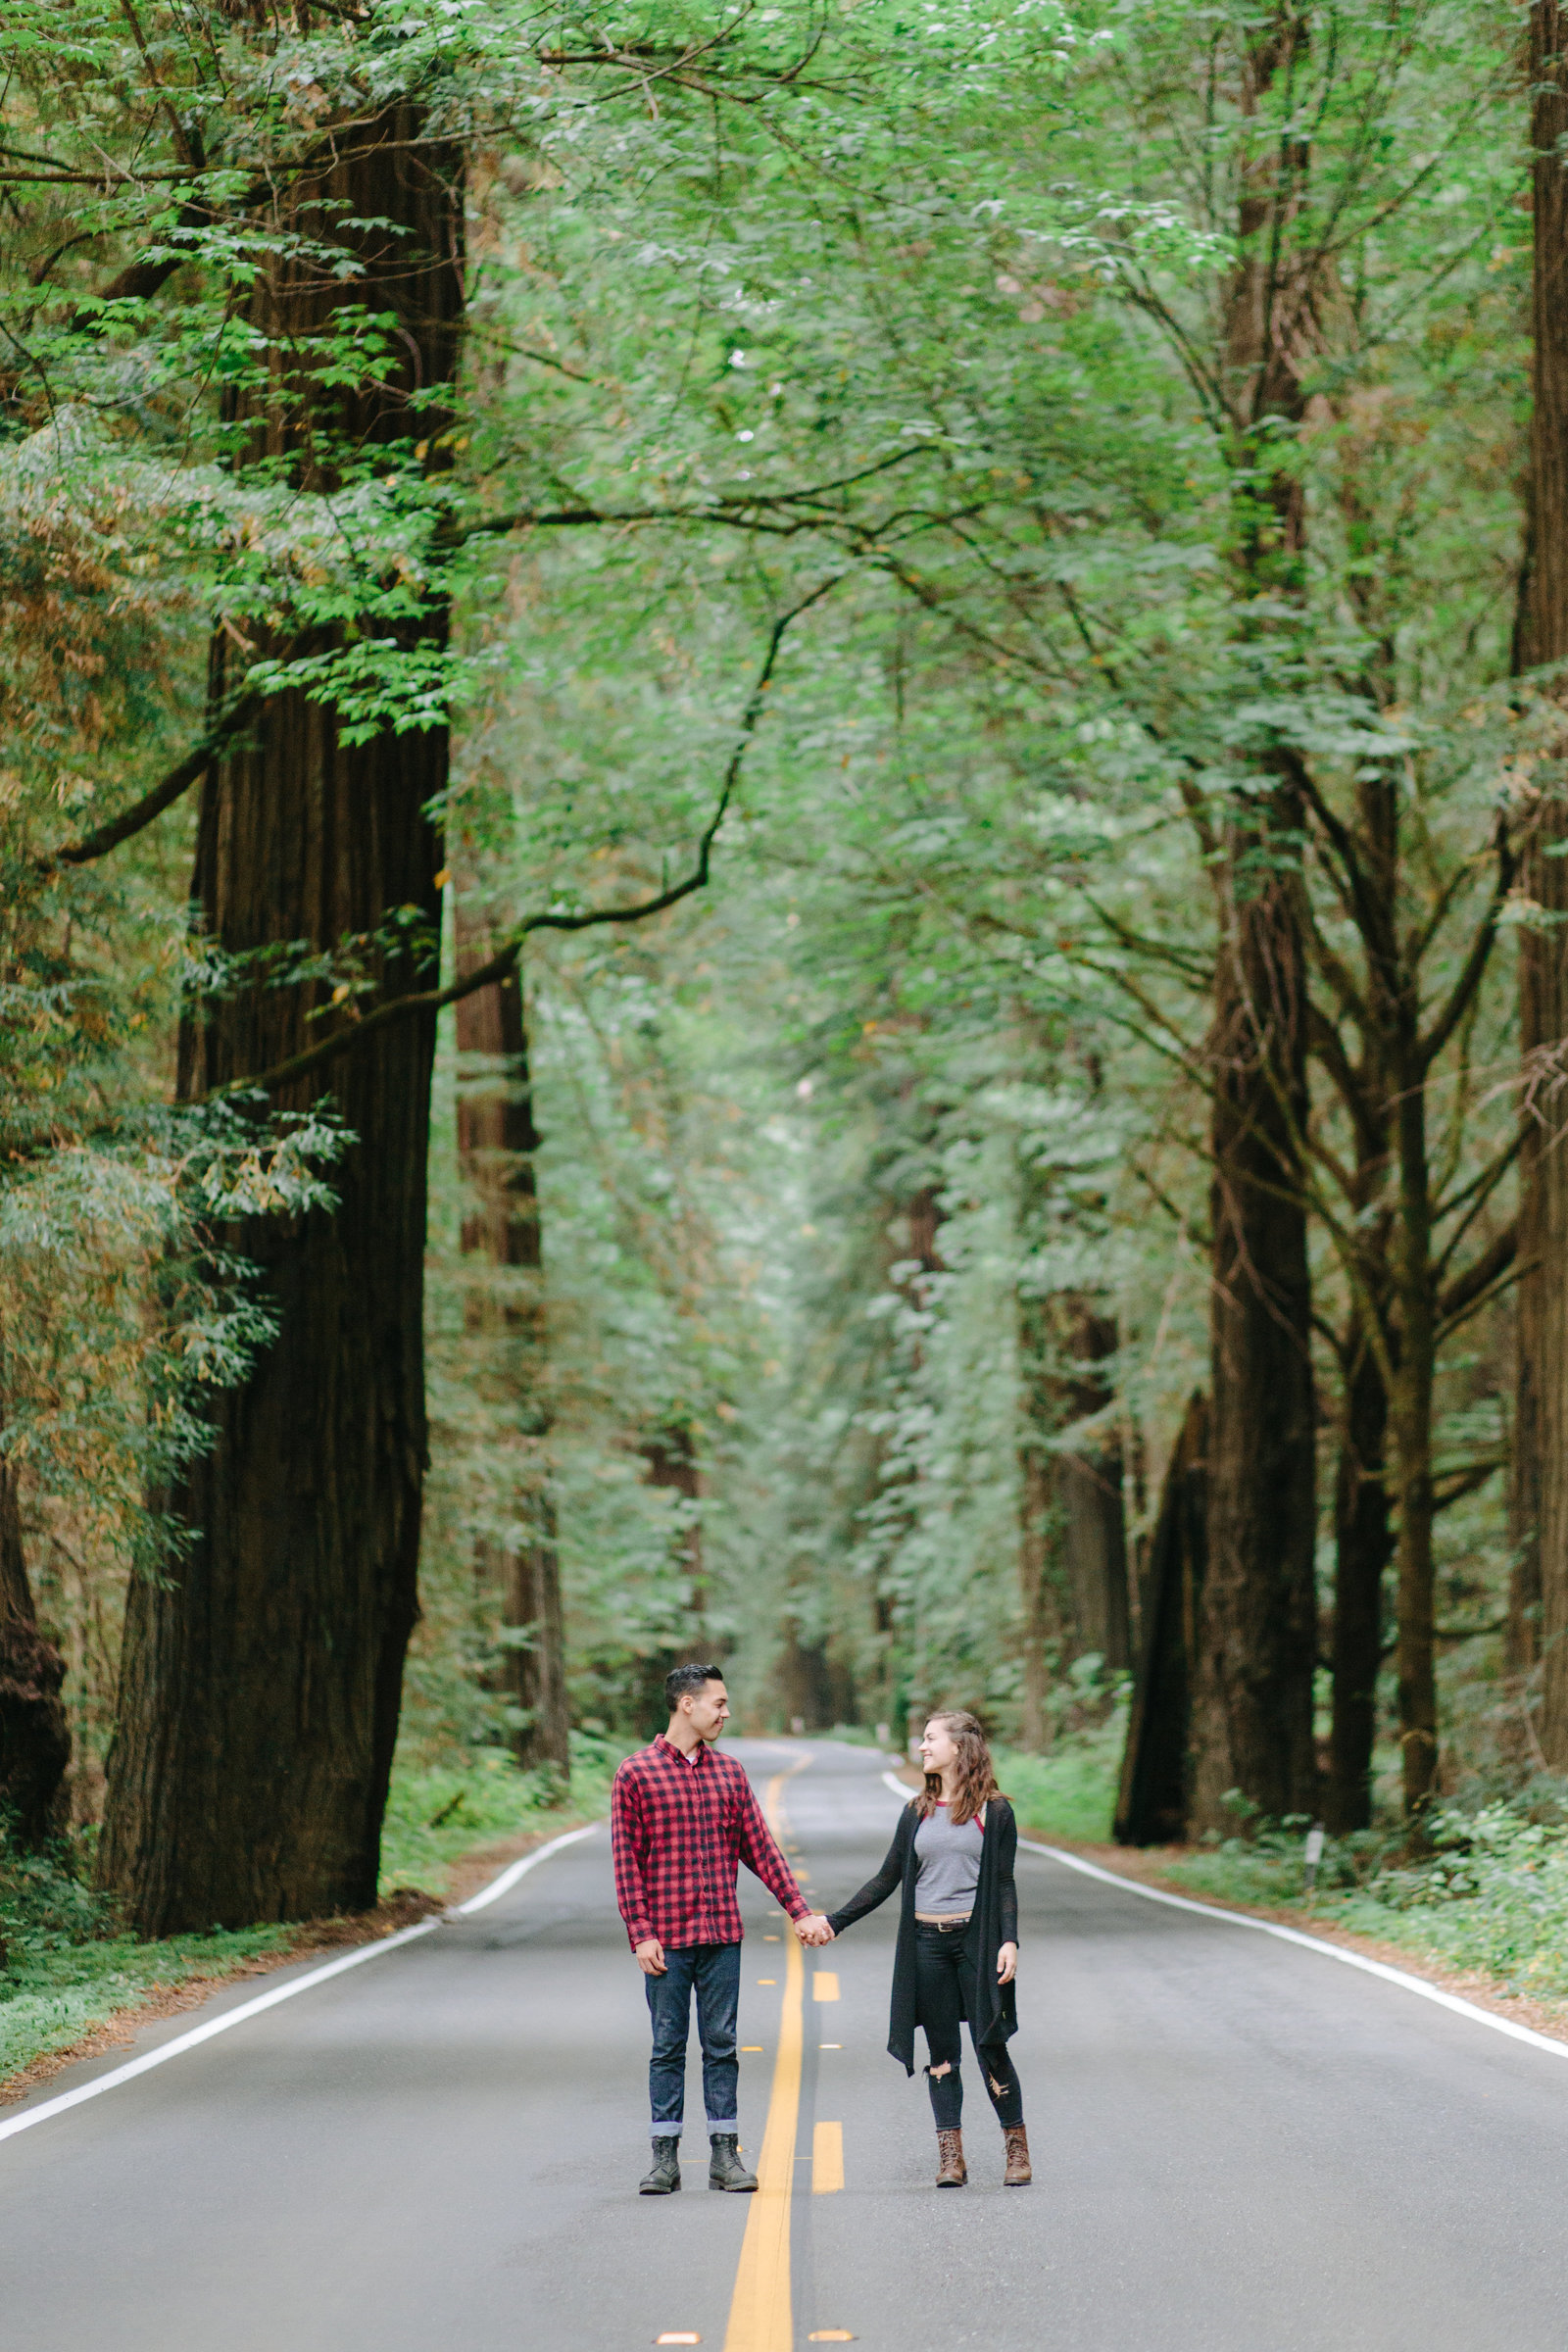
x=649, y=1957
x=1007, y=1963
x=814, y=1928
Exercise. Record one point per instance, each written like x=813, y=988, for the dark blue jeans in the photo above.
x=712, y=1970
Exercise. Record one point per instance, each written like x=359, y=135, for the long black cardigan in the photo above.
x=992, y=1922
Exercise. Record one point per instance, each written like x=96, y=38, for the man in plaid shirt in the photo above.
x=681, y=1818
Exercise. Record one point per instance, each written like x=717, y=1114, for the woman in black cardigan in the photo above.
x=952, y=1854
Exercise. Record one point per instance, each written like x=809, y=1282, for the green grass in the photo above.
x=64, y=1970
x=1070, y=1791
x=438, y=1812
x=1494, y=1899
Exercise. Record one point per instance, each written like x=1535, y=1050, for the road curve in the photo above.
x=1238, y=2147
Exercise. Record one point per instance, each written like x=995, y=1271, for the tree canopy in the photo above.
x=767, y=769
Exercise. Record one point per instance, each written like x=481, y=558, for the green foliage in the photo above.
x=1070, y=1791
x=63, y=1968
x=919, y=351
x=1493, y=1897
x=437, y=1812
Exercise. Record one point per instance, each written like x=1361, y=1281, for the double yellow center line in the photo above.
x=761, y=2315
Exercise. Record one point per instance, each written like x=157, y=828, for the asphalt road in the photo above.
x=1238, y=2147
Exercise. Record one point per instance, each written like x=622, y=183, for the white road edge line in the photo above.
x=1311, y=1943
x=498, y=1885
x=506, y=1880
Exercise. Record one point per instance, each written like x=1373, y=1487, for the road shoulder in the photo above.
x=1148, y=1866
x=124, y=2021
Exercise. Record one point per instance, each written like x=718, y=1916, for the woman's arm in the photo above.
x=1006, y=1885
x=875, y=1891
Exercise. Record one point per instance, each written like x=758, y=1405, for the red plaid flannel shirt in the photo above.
x=679, y=1831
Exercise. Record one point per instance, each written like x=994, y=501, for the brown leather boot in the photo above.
x=951, y=2172
x=1018, y=2174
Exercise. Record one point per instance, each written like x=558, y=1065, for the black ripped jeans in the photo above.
x=944, y=1979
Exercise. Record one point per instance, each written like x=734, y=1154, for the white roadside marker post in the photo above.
x=1313, y=1855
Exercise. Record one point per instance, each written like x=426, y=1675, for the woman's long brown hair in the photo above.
x=976, y=1775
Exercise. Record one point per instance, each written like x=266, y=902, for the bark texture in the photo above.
x=1072, y=1541
x=1089, y=1490
x=1155, y=1795
x=496, y=1146
x=1364, y=1549
x=673, y=1466
x=1253, y=1674
x=1040, y=1611
x=260, y=1685
x=34, y=1737
x=1253, y=1671
x=1540, y=1610
x=812, y=1688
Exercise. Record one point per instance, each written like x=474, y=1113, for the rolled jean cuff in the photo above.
x=666, y=2129
x=717, y=2123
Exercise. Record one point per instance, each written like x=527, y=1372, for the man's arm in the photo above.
x=761, y=1856
x=626, y=1843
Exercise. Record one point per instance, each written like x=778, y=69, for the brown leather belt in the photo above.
x=933, y=1918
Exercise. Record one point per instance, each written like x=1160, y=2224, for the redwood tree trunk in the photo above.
x=34, y=1738
x=1072, y=1544
x=496, y=1144
x=1252, y=1676
x=260, y=1685
x=1088, y=1496
x=1041, y=1612
x=1363, y=1547
x=1154, y=1798
x=1410, y=1407
x=1540, y=1492
x=1257, y=1640
x=670, y=1455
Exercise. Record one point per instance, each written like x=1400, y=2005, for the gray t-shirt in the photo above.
x=950, y=1864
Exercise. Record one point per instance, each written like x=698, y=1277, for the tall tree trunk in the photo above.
x=670, y=1455
x=261, y=1683
x=1072, y=1544
x=1042, y=1625
x=1154, y=1798
x=1252, y=1675
x=1410, y=1403
x=496, y=1146
x=34, y=1738
x=811, y=1688
x=1089, y=1496
x=1363, y=1547
x=1540, y=1610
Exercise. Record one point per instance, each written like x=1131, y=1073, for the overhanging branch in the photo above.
x=731, y=509
x=503, y=963
x=179, y=779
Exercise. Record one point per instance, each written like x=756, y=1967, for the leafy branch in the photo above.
x=503, y=963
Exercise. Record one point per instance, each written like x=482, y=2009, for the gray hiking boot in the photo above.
x=726, y=2169
x=664, y=2174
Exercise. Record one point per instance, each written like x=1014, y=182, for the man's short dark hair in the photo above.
x=686, y=1681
